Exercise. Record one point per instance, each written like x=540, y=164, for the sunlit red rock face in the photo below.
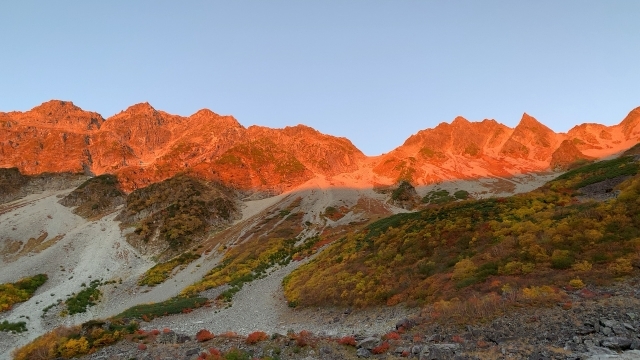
x=463, y=149
x=143, y=145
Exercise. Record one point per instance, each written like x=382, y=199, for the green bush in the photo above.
x=85, y=298
x=174, y=305
x=18, y=327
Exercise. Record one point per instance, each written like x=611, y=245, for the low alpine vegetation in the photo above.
x=539, y=240
x=19, y=291
x=161, y=272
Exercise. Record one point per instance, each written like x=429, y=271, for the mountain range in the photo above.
x=142, y=145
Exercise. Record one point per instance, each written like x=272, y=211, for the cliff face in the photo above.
x=52, y=137
x=466, y=149
x=142, y=145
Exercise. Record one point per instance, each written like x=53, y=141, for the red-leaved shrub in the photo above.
x=303, y=338
x=392, y=336
x=381, y=349
x=256, y=336
x=347, y=340
x=204, y=335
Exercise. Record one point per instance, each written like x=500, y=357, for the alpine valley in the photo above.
x=149, y=235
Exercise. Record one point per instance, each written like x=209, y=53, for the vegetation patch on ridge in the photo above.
x=95, y=197
x=250, y=261
x=178, y=211
x=161, y=272
x=491, y=246
x=174, y=305
x=20, y=291
x=78, y=303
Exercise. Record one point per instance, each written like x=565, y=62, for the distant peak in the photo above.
x=529, y=121
x=204, y=113
x=140, y=107
x=52, y=105
x=459, y=120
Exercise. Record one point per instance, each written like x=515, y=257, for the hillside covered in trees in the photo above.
x=582, y=228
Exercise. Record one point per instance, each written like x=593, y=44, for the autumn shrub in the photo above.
x=621, y=267
x=204, y=335
x=463, y=269
x=380, y=349
x=303, y=338
x=391, y=336
x=576, y=283
x=256, y=336
x=347, y=340
x=582, y=266
x=19, y=291
x=561, y=259
x=74, y=347
x=213, y=354
x=161, y=272
x=46, y=346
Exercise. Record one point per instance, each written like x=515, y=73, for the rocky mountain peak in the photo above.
x=630, y=124
x=61, y=114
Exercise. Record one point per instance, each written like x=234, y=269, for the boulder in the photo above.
x=362, y=352
x=439, y=351
x=168, y=337
x=368, y=343
x=616, y=343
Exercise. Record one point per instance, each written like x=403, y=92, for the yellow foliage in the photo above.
x=622, y=266
x=582, y=266
x=576, y=283
x=592, y=235
x=73, y=347
x=512, y=268
x=535, y=292
x=463, y=269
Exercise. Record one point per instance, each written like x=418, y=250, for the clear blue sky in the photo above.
x=372, y=71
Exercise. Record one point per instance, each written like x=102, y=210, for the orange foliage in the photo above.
x=303, y=338
x=204, y=335
x=381, y=349
x=391, y=336
x=347, y=340
x=256, y=336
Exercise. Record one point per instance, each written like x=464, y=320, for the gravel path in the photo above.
x=261, y=305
